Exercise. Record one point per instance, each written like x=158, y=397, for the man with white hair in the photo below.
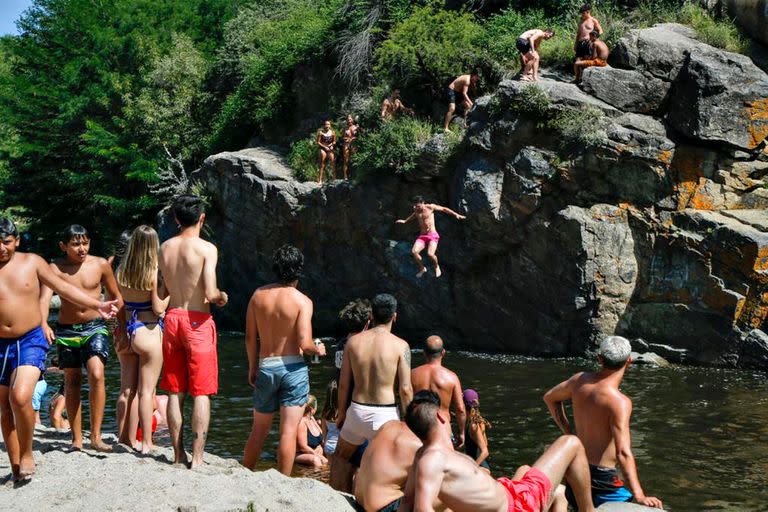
x=601, y=416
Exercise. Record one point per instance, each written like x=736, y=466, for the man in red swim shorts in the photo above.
x=190, y=362
x=429, y=238
x=441, y=477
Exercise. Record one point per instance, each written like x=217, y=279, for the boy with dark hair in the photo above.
x=428, y=237
x=373, y=361
x=392, y=105
x=278, y=330
x=23, y=345
x=356, y=317
x=598, y=56
x=587, y=24
x=441, y=474
x=190, y=359
x=460, y=86
x=528, y=46
x=81, y=336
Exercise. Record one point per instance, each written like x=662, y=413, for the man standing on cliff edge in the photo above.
x=190, y=360
x=601, y=413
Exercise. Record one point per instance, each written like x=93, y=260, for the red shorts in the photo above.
x=529, y=494
x=190, y=361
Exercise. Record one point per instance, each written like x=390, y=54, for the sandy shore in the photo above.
x=122, y=480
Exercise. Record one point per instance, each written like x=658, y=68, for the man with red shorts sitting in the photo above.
x=190, y=361
x=441, y=477
x=428, y=237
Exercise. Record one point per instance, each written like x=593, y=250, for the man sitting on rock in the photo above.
x=442, y=477
x=601, y=413
x=587, y=24
x=598, y=56
x=528, y=45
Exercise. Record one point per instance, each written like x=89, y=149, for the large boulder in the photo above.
x=659, y=50
x=754, y=350
x=725, y=98
x=627, y=90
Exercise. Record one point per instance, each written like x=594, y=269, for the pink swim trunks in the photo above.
x=428, y=238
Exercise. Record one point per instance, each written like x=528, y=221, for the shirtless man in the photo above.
x=380, y=483
x=373, y=360
x=428, y=237
x=461, y=87
x=587, y=24
x=23, y=344
x=433, y=376
x=528, y=45
x=190, y=362
x=82, y=336
x=599, y=56
x=278, y=329
x=601, y=415
x=442, y=477
x=392, y=105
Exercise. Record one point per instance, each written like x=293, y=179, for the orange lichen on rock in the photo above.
x=689, y=172
x=665, y=157
x=757, y=113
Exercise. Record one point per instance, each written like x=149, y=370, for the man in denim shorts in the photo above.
x=278, y=330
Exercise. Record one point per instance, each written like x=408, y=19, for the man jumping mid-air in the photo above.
x=428, y=237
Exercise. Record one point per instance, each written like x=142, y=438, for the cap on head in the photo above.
x=614, y=352
x=383, y=308
x=433, y=347
x=8, y=228
x=287, y=263
x=470, y=397
x=187, y=209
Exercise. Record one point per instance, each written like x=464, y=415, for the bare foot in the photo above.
x=76, y=447
x=26, y=469
x=182, y=459
x=525, y=78
x=146, y=449
x=438, y=272
x=448, y=130
x=421, y=272
x=100, y=446
x=196, y=463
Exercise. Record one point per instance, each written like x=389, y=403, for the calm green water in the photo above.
x=700, y=435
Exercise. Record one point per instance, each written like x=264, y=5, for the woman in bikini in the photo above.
x=350, y=136
x=137, y=277
x=309, y=437
x=326, y=139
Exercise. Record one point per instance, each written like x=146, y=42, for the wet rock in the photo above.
x=720, y=108
x=624, y=507
x=754, y=350
x=627, y=90
x=650, y=359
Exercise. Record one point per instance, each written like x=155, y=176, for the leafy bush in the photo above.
x=303, y=159
x=533, y=101
x=720, y=33
x=432, y=44
x=578, y=127
x=394, y=147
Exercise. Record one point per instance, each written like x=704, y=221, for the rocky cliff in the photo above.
x=633, y=204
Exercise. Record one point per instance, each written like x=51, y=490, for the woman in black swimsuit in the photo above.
x=350, y=136
x=326, y=139
x=309, y=437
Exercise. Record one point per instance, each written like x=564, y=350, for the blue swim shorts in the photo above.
x=282, y=381
x=27, y=350
x=37, y=395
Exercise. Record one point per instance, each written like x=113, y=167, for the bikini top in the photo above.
x=314, y=440
x=327, y=139
x=138, y=306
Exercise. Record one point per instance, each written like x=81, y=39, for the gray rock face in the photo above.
x=640, y=232
x=630, y=91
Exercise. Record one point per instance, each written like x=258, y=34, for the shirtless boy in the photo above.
x=392, y=105
x=433, y=376
x=460, y=86
x=380, y=483
x=442, y=477
x=278, y=330
x=373, y=360
x=601, y=415
x=598, y=56
x=190, y=362
x=23, y=344
x=82, y=336
x=428, y=237
x=528, y=45
x=587, y=24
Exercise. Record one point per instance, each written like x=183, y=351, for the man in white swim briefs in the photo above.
x=373, y=360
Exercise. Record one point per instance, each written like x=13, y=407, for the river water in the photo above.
x=700, y=435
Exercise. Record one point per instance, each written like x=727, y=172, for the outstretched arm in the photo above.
x=555, y=399
x=407, y=220
x=448, y=211
x=620, y=415
x=212, y=292
x=110, y=284
x=404, y=378
x=72, y=293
